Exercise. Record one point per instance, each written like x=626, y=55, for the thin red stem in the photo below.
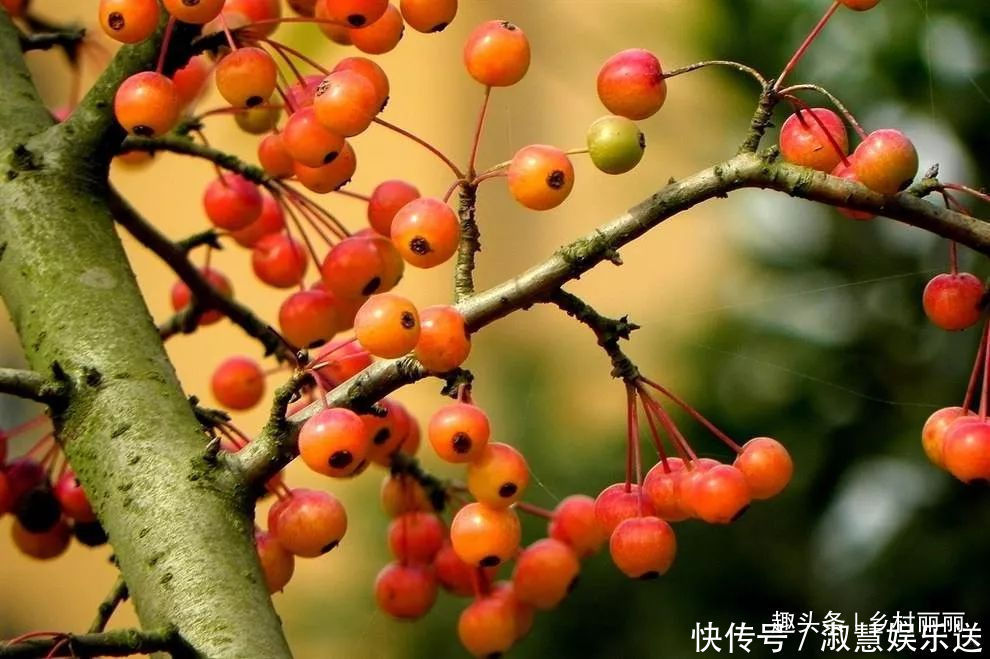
x=668, y=424
x=977, y=368
x=292, y=19
x=536, y=511
x=40, y=444
x=696, y=414
x=479, y=129
x=634, y=438
x=803, y=107
x=418, y=140
x=986, y=370
x=982, y=196
x=295, y=53
x=230, y=110
x=803, y=48
x=226, y=31
x=629, y=440
x=166, y=39
x=24, y=427
x=453, y=186
x=353, y=195
x=654, y=431
x=288, y=62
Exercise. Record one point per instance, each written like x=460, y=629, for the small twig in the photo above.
x=113, y=599
x=609, y=331
x=32, y=386
x=761, y=120
x=470, y=243
x=68, y=37
x=209, y=237
x=185, y=146
x=117, y=643
x=832, y=99
x=748, y=70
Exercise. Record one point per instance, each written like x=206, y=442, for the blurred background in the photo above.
x=770, y=315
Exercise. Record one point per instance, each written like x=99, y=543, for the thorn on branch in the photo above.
x=34, y=386
x=455, y=380
x=68, y=37
x=608, y=331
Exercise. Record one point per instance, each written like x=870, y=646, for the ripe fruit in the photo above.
x=334, y=442
x=387, y=325
x=238, y=383
x=271, y=220
x=277, y=564
x=540, y=177
x=308, y=523
x=524, y=613
x=353, y=268
x=386, y=200
x=574, y=522
x=381, y=36
x=330, y=177
x=499, y=476
x=339, y=361
x=934, y=430
x=886, y=161
x=804, y=141
x=194, y=11
x=246, y=77
x=488, y=626
x=146, y=104
x=860, y=5
x=631, y=84
x=301, y=93
x=497, y=54
x=279, y=260
x=846, y=172
x=346, y=102
x=129, y=21
x=615, y=144
x=426, y=232
x=190, y=79
x=766, y=465
x=428, y=15
x=643, y=547
x=444, y=342
x=415, y=537
x=356, y=13
x=339, y=34
x=308, y=141
x=258, y=120
x=37, y=509
x=484, y=536
x=45, y=545
x=406, y=592
x=953, y=301
x=308, y=318
x=387, y=432
x=455, y=575
x=662, y=487
x=619, y=502
x=371, y=72
x=718, y=495
x=401, y=493
x=459, y=432
x=182, y=296
x=966, y=449
x=256, y=11
x=545, y=572
x=232, y=202
x=72, y=498
x=692, y=471
x=274, y=158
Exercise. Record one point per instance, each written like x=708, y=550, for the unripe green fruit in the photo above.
x=615, y=144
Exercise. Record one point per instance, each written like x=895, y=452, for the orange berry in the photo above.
x=246, y=77
x=279, y=260
x=415, y=537
x=354, y=268
x=662, y=487
x=274, y=157
x=426, y=232
x=271, y=220
x=330, y=177
x=860, y=5
x=194, y=11
x=459, y=432
x=182, y=296
x=497, y=54
x=631, y=84
x=545, y=572
x=506, y=591
x=444, y=342
x=190, y=79
x=643, y=547
x=308, y=523
x=256, y=11
x=308, y=318
x=933, y=433
x=301, y=93
x=339, y=361
x=487, y=627
x=308, y=141
x=428, y=15
x=401, y=493
x=336, y=32
x=346, y=102
x=499, y=475
x=387, y=199
x=355, y=13
x=886, y=161
x=232, y=202
x=719, y=495
x=574, y=522
x=370, y=72
x=129, y=21
x=387, y=432
x=804, y=140
x=766, y=465
x=406, y=592
x=277, y=564
x=619, y=502
x=304, y=7
x=456, y=576
x=381, y=36
x=42, y=546
x=692, y=472
x=238, y=383
x=387, y=325
x=146, y=104
x=334, y=442
x=485, y=536
x=966, y=449
x=540, y=177
x=953, y=301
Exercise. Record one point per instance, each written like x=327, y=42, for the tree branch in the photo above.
x=186, y=146
x=113, y=599
x=117, y=643
x=205, y=295
x=470, y=243
x=32, y=386
x=608, y=331
x=68, y=37
x=24, y=114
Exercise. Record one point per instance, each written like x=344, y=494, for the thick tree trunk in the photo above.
x=181, y=527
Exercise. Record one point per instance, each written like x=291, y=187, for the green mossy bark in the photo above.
x=181, y=527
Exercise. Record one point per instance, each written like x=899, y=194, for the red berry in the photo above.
x=444, y=342
x=387, y=432
x=455, y=575
x=387, y=199
x=146, y=104
x=416, y=537
x=339, y=34
x=498, y=476
x=718, y=495
x=575, y=523
x=428, y=15
x=934, y=430
x=631, y=84
x=846, y=172
x=129, y=21
x=619, y=502
x=330, y=177
x=693, y=471
x=256, y=11
x=271, y=220
x=190, y=79
x=355, y=13
x=346, y=102
x=301, y=93
x=370, y=72
x=662, y=487
x=308, y=318
x=277, y=564
x=497, y=54
x=305, y=7
x=953, y=301
x=766, y=465
x=279, y=260
x=246, y=77
x=426, y=232
x=72, y=498
x=354, y=268
x=484, y=536
x=232, y=202
x=387, y=325
x=339, y=361
x=274, y=158
x=459, y=432
x=334, y=442
x=406, y=592
x=886, y=161
x=643, y=547
x=194, y=11
x=524, y=613
x=45, y=545
x=308, y=141
x=488, y=626
x=24, y=474
x=804, y=140
x=381, y=36
x=308, y=523
x=545, y=572
x=966, y=449
x=238, y=383
x=860, y=5
x=182, y=296
x=540, y=177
